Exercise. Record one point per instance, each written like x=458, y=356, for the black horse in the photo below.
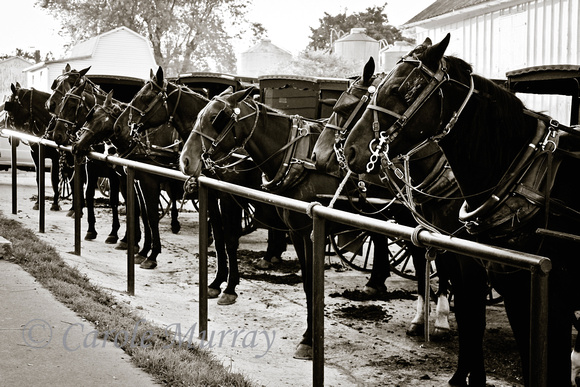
x=516, y=170
x=429, y=175
x=72, y=109
x=160, y=102
x=281, y=146
x=27, y=113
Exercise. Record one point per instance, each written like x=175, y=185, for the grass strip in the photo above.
x=168, y=362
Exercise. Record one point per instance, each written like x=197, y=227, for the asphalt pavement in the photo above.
x=43, y=343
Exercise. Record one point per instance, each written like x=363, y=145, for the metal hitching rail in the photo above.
x=537, y=265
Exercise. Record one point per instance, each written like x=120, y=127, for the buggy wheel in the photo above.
x=164, y=204
x=248, y=224
x=356, y=248
x=104, y=186
x=65, y=186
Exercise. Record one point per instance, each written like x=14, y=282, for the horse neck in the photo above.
x=480, y=151
x=186, y=111
x=270, y=135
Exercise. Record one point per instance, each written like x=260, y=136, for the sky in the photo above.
x=288, y=22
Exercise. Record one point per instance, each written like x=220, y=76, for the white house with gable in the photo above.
x=497, y=36
x=120, y=52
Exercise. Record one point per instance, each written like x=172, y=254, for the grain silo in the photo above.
x=262, y=58
x=357, y=46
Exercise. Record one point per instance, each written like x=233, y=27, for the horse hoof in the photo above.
x=264, y=265
x=373, y=292
x=213, y=292
x=148, y=264
x=55, y=207
x=227, y=299
x=139, y=259
x=91, y=235
x=70, y=213
x=416, y=330
x=440, y=333
x=303, y=352
x=35, y=206
x=175, y=228
x=111, y=239
x=276, y=259
x=121, y=246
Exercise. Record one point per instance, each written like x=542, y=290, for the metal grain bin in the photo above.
x=357, y=45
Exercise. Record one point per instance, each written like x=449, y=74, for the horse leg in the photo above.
x=303, y=246
x=217, y=225
x=232, y=214
x=151, y=196
x=122, y=179
x=34, y=154
x=575, y=356
x=92, y=177
x=114, y=188
x=174, y=192
x=142, y=254
x=417, y=327
x=381, y=266
x=54, y=177
x=469, y=279
x=442, y=327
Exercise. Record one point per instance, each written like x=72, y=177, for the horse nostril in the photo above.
x=313, y=157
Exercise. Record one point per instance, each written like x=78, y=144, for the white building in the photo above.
x=120, y=52
x=497, y=36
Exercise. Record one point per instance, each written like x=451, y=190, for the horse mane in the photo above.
x=498, y=114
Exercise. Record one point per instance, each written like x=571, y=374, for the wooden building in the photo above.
x=497, y=36
x=119, y=52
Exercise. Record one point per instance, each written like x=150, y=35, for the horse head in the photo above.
x=328, y=153
x=62, y=85
x=18, y=116
x=413, y=85
x=147, y=109
x=213, y=135
x=99, y=127
x=73, y=109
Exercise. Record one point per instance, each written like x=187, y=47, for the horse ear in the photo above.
x=66, y=68
x=151, y=75
x=227, y=91
x=437, y=51
x=13, y=88
x=109, y=99
x=159, y=77
x=243, y=94
x=368, y=70
x=84, y=71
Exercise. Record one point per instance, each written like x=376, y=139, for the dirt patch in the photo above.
x=365, y=340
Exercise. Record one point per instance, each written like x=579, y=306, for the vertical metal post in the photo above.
x=319, y=236
x=130, y=221
x=78, y=202
x=203, y=235
x=41, y=184
x=14, y=178
x=538, y=328
x=427, y=296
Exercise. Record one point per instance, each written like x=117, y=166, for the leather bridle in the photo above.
x=224, y=123
x=425, y=83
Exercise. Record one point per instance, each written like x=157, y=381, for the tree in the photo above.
x=373, y=19
x=187, y=35
x=313, y=63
